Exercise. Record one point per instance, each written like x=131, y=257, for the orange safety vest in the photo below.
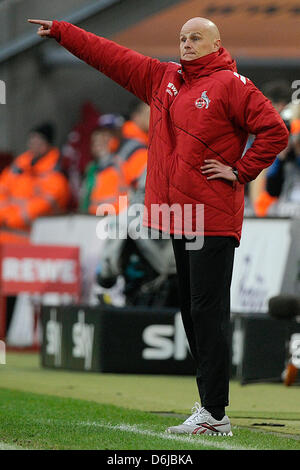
x=263, y=203
x=131, y=130
x=14, y=236
x=32, y=187
x=295, y=126
x=115, y=180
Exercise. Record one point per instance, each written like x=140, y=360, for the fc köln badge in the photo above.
x=203, y=101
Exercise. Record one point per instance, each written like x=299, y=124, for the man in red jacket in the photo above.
x=202, y=111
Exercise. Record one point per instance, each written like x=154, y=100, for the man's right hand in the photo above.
x=44, y=29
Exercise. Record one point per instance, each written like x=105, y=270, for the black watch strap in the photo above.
x=236, y=173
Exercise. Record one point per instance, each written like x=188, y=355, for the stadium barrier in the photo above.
x=119, y=340
x=147, y=341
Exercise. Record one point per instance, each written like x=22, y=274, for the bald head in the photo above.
x=198, y=37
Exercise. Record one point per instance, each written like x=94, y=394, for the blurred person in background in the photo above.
x=137, y=125
x=76, y=152
x=118, y=163
x=279, y=93
x=101, y=172
x=33, y=185
x=283, y=177
x=295, y=129
x=202, y=111
x=137, y=271
x=109, y=286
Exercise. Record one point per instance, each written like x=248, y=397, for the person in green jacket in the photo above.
x=105, y=140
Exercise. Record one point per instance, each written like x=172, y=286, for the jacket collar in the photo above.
x=194, y=69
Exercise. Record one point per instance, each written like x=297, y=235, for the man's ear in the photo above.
x=217, y=45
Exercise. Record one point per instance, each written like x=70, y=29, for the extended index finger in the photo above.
x=42, y=22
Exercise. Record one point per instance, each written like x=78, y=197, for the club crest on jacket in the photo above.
x=203, y=101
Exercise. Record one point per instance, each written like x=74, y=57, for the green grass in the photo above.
x=36, y=421
x=74, y=410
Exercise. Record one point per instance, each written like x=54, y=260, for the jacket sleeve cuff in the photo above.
x=242, y=179
x=55, y=30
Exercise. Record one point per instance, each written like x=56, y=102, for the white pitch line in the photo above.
x=4, y=446
x=211, y=442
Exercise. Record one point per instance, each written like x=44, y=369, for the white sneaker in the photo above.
x=202, y=422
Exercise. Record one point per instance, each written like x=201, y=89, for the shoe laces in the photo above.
x=198, y=412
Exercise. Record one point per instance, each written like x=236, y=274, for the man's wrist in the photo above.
x=236, y=173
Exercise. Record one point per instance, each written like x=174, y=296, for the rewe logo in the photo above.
x=39, y=270
x=171, y=89
x=83, y=339
x=54, y=337
x=166, y=341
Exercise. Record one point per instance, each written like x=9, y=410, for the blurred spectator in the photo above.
x=76, y=153
x=295, y=130
x=283, y=177
x=137, y=126
x=279, y=93
x=33, y=184
x=120, y=158
x=101, y=172
x=136, y=271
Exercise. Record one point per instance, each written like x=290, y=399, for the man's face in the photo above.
x=100, y=143
x=197, y=39
x=37, y=144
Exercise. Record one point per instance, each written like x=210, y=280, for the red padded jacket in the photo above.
x=200, y=109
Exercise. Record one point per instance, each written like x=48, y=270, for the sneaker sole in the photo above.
x=230, y=434
x=223, y=434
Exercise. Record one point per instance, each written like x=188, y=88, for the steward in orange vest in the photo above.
x=116, y=168
x=33, y=184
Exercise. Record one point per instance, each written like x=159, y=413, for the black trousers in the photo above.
x=204, y=279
